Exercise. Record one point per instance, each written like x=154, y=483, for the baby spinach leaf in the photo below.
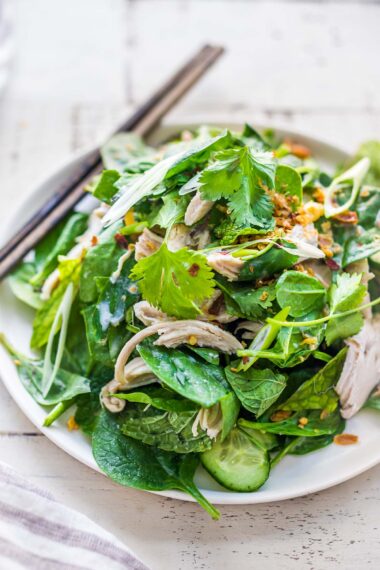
x=247, y=302
x=230, y=406
x=288, y=181
x=266, y=265
x=346, y=294
x=242, y=177
x=291, y=426
x=308, y=444
x=318, y=392
x=301, y=292
x=19, y=282
x=256, y=389
x=100, y=261
x=367, y=207
x=69, y=271
x=210, y=355
x=192, y=378
x=105, y=188
x=159, y=398
x=175, y=281
x=129, y=462
x=171, y=431
x=65, y=386
x=117, y=296
x=74, y=226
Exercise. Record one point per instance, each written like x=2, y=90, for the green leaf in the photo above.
x=105, y=188
x=371, y=150
x=171, y=431
x=131, y=463
x=19, y=282
x=318, y=393
x=74, y=226
x=175, y=281
x=288, y=181
x=256, y=389
x=228, y=231
x=315, y=426
x=348, y=293
x=159, y=398
x=65, y=386
x=268, y=264
x=247, y=302
x=301, y=292
x=242, y=177
x=172, y=211
x=69, y=270
x=100, y=261
x=192, y=378
x=374, y=400
x=230, y=407
x=210, y=355
x=308, y=444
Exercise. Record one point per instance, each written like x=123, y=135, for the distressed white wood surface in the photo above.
x=81, y=64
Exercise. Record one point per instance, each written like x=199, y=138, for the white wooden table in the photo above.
x=79, y=66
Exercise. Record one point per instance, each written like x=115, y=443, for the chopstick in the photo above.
x=70, y=191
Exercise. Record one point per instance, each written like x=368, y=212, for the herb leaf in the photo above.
x=346, y=294
x=175, y=281
x=301, y=292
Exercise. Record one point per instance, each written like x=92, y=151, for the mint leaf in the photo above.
x=301, y=292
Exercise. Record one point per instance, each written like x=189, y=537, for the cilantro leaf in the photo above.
x=241, y=176
x=348, y=293
x=175, y=281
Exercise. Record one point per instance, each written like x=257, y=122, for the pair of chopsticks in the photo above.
x=68, y=193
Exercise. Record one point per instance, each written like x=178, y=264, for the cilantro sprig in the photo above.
x=242, y=177
x=175, y=281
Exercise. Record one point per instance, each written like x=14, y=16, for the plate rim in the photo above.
x=216, y=497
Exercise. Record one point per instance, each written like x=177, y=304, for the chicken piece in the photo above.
x=149, y=315
x=214, y=309
x=174, y=333
x=147, y=244
x=251, y=328
x=319, y=270
x=136, y=373
x=225, y=264
x=197, y=209
x=179, y=237
x=361, y=370
x=209, y=420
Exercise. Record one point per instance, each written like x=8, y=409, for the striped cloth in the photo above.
x=38, y=533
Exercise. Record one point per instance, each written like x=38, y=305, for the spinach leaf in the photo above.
x=301, y=292
x=65, y=386
x=308, y=444
x=247, y=302
x=88, y=405
x=104, y=188
x=171, y=431
x=69, y=271
x=288, y=181
x=194, y=379
x=159, y=398
x=318, y=392
x=230, y=407
x=266, y=265
x=19, y=282
x=368, y=207
x=100, y=261
x=129, y=462
x=256, y=389
x=117, y=296
x=210, y=355
x=74, y=226
x=253, y=138
x=347, y=293
x=291, y=426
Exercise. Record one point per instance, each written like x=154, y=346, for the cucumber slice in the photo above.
x=237, y=463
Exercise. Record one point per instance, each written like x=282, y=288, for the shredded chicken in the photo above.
x=179, y=237
x=136, y=373
x=225, y=264
x=214, y=309
x=319, y=270
x=197, y=209
x=361, y=370
x=209, y=420
x=147, y=243
x=173, y=333
x=148, y=314
x=251, y=328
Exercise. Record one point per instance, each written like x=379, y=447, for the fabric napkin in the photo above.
x=39, y=533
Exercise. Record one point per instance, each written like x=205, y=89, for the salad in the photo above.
x=214, y=302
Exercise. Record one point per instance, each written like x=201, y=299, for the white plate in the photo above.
x=293, y=477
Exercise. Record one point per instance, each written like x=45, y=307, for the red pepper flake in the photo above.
x=94, y=240
x=345, y=439
x=121, y=241
x=280, y=415
x=194, y=269
x=332, y=264
x=245, y=359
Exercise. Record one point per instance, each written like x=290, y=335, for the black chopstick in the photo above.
x=70, y=191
